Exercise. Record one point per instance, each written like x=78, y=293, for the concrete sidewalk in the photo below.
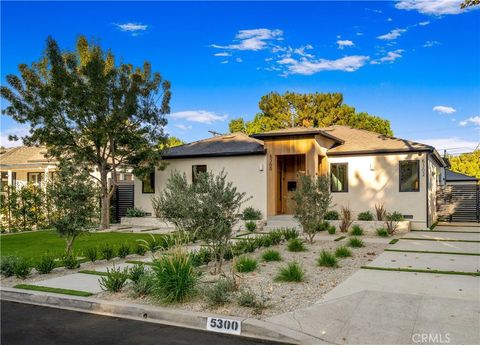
x=437, y=235
x=437, y=246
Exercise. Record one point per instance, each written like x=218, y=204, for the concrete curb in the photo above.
x=251, y=328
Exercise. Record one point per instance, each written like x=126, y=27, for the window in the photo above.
x=339, y=177
x=35, y=178
x=4, y=180
x=410, y=176
x=148, y=183
x=196, y=169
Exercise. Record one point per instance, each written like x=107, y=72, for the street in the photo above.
x=30, y=324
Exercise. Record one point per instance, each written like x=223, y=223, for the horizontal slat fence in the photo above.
x=122, y=200
x=459, y=203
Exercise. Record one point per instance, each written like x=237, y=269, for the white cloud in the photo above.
x=429, y=44
x=444, y=109
x=424, y=23
x=394, y=34
x=224, y=62
x=238, y=60
x=431, y=7
x=389, y=19
x=359, y=33
x=18, y=130
x=302, y=50
x=475, y=120
x=389, y=57
x=451, y=144
x=201, y=116
x=133, y=28
x=223, y=54
x=345, y=43
x=254, y=39
x=183, y=127
x=309, y=67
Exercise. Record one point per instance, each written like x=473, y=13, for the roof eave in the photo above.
x=368, y=152
x=216, y=154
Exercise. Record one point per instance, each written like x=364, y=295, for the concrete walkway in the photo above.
x=438, y=246
x=443, y=236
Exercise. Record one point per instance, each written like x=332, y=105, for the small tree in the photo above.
x=312, y=199
x=391, y=221
x=346, y=218
x=75, y=198
x=207, y=208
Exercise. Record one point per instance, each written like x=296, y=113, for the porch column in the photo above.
x=10, y=177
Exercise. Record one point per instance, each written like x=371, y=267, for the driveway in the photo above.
x=378, y=305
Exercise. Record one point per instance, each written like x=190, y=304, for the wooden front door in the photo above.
x=289, y=168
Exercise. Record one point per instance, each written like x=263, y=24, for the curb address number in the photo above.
x=217, y=324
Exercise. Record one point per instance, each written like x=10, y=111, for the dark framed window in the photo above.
x=410, y=176
x=35, y=178
x=148, y=183
x=196, y=169
x=339, y=177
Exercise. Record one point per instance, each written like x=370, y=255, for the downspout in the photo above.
x=427, y=192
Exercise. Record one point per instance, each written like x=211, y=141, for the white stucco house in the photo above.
x=365, y=169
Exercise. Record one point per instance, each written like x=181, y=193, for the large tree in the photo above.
x=84, y=106
x=307, y=110
x=467, y=163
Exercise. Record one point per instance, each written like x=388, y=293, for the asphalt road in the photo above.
x=36, y=325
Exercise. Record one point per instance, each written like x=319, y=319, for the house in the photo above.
x=365, y=169
x=456, y=178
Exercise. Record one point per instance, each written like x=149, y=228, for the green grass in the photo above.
x=53, y=290
x=421, y=271
x=246, y=264
x=293, y=272
x=271, y=255
x=327, y=259
x=33, y=245
x=343, y=252
x=96, y=273
x=438, y=239
x=340, y=238
x=355, y=242
x=429, y=252
x=395, y=240
x=296, y=245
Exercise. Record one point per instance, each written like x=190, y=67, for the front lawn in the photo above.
x=33, y=245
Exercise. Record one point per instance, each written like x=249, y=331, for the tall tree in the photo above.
x=467, y=163
x=469, y=3
x=308, y=110
x=85, y=107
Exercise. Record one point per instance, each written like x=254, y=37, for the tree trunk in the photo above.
x=104, y=201
x=70, y=240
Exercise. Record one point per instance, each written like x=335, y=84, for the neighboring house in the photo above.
x=456, y=178
x=365, y=169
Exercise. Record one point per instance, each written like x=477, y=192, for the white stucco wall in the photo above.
x=375, y=179
x=246, y=172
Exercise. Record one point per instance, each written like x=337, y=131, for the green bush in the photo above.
x=332, y=230
x=135, y=212
x=220, y=292
x=136, y=272
x=152, y=244
x=22, y=268
x=276, y=237
x=140, y=250
x=143, y=286
x=107, y=251
x=70, y=261
x=263, y=241
x=175, y=277
x=332, y=215
x=293, y=272
x=114, y=280
x=367, y=215
x=327, y=259
x=248, y=298
x=250, y=213
x=382, y=232
x=355, y=242
x=296, y=245
x=271, y=255
x=91, y=253
x=7, y=266
x=123, y=250
x=289, y=233
x=356, y=230
x=45, y=264
x=251, y=226
x=202, y=257
x=343, y=252
x=323, y=226
x=246, y=264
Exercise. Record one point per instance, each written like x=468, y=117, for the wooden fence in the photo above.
x=459, y=203
x=122, y=200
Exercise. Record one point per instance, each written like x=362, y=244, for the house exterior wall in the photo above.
x=248, y=174
x=434, y=182
x=375, y=179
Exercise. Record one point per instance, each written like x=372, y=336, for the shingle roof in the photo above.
x=25, y=155
x=456, y=176
x=235, y=144
x=296, y=131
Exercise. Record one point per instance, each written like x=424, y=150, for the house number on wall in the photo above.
x=221, y=325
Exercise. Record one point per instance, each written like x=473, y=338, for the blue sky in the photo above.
x=414, y=63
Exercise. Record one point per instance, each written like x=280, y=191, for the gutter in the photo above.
x=216, y=154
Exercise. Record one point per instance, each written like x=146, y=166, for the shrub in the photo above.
x=123, y=250
x=107, y=251
x=296, y=245
x=248, y=298
x=219, y=293
x=380, y=212
x=152, y=244
x=91, y=253
x=332, y=215
x=250, y=213
x=323, y=226
x=70, y=261
x=276, y=237
x=293, y=272
x=343, y=252
x=289, y=233
x=202, y=257
x=22, y=268
x=355, y=242
x=175, y=276
x=346, y=219
x=251, y=226
x=382, y=232
x=7, y=266
x=246, y=264
x=367, y=215
x=143, y=286
x=114, y=280
x=356, y=231
x=136, y=272
x=45, y=264
x=271, y=255
x=135, y=212
x=140, y=250
x=332, y=230
x=392, y=220
x=327, y=259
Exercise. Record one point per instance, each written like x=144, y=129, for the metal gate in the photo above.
x=122, y=200
x=459, y=203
